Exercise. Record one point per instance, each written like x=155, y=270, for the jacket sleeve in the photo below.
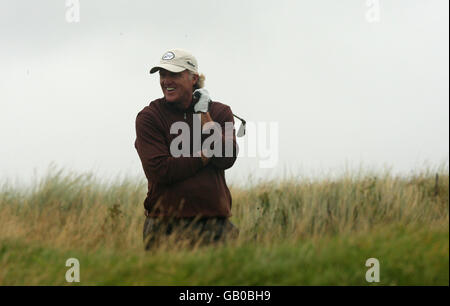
x=159, y=165
x=225, y=162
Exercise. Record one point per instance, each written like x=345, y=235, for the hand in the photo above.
x=203, y=154
x=202, y=104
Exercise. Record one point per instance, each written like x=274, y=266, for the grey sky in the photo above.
x=343, y=90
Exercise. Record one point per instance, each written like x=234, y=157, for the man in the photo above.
x=187, y=194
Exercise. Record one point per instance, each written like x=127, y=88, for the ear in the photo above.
x=195, y=79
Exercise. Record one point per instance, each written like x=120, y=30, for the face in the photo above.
x=177, y=87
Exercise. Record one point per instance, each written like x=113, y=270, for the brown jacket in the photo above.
x=182, y=186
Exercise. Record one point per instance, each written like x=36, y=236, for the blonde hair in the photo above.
x=201, y=80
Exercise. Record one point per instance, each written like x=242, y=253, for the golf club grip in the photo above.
x=197, y=96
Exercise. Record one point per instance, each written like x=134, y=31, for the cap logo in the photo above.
x=168, y=56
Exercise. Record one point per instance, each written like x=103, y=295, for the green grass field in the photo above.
x=292, y=232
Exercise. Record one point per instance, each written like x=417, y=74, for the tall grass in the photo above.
x=66, y=211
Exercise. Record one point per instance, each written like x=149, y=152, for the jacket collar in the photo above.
x=174, y=107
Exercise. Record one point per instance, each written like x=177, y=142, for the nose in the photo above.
x=166, y=80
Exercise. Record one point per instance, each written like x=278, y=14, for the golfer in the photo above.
x=187, y=194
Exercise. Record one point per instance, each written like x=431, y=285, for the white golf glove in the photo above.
x=202, y=104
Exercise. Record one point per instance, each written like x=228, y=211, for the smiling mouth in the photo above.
x=170, y=89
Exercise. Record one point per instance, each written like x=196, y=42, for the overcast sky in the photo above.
x=343, y=90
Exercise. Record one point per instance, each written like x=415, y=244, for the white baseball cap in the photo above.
x=177, y=60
